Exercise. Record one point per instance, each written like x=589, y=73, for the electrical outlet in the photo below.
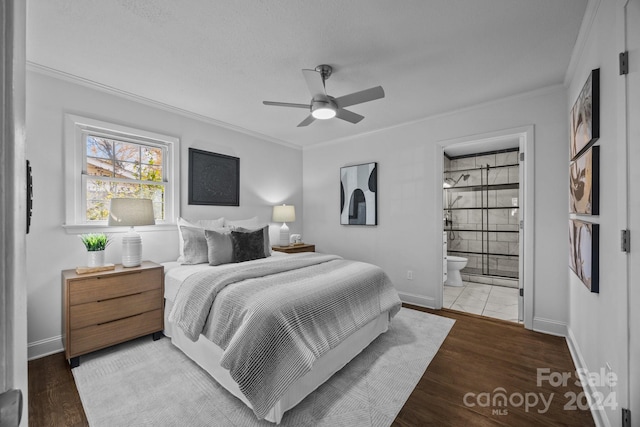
x=409, y=275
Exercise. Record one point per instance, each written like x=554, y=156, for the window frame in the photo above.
x=76, y=129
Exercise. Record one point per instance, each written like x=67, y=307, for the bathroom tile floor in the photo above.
x=486, y=300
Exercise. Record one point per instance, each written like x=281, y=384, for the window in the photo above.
x=116, y=168
x=106, y=161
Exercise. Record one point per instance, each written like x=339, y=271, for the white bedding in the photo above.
x=175, y=273
x=208, y=355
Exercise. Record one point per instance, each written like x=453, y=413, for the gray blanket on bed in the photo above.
x=280, y=315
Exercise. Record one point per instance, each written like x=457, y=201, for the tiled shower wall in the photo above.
x=473, y=221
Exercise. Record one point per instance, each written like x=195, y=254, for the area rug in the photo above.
x=152, y=383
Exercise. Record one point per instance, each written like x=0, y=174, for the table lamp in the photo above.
x=131, y=213
x=284, y=214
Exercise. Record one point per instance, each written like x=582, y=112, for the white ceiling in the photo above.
x=221, y=59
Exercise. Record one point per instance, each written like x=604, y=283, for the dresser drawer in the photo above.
x=98, y=288
x=95, y=313
x=99, y=336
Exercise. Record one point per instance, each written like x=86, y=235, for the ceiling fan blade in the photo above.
x=360, y=97
x=315, y=84
x=306, y=122
x=286, y=104
x=349, y=116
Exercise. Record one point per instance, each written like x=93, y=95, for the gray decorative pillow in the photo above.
x=195, y=245
x=247, y=246
x=220, y=246
x=265, y=229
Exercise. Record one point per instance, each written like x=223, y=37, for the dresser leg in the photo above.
x=157, y=335
x=74, y=362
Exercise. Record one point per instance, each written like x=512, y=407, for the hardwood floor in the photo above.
x=478, y=356
x=53, y=397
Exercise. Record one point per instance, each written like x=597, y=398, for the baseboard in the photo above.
x=551, y=327
x=45, y=347
x=418, y=300
x=599, y=417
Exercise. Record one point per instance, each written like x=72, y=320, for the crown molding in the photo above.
x=581, y=41
x=72, y=78
x=524, y=95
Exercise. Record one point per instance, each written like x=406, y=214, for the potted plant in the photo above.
x=95, y=243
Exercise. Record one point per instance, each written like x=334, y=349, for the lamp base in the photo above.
x=131, y=249
x=284, y=235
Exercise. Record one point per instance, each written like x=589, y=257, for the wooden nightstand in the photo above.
x=294, y=249
x=110, y=307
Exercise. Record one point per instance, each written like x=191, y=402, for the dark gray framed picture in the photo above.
x=585, y=116
x=584, y=178
x=359, y=194
x=214, y=179
x=584, y=254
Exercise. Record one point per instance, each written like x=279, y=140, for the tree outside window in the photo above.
x=115, y=168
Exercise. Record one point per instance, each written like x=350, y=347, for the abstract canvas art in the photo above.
x=359, y=194
x=584, y=175
x=585, y=115
x=214, y=179
x=584, y=252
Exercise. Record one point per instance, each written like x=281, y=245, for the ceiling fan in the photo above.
x=323, y=106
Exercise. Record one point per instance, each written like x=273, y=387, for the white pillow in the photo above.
x=251, y=222
x=202, y=223
x=195, y=246
x=182, y=222
x=210, y=224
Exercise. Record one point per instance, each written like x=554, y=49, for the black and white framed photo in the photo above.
x=214, y=179
x=359, y=194
x=584, y=177
x=584, y=254
x=585, y=115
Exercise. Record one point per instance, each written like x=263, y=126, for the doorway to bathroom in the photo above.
x=483, y=210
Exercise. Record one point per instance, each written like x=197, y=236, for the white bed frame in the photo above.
x=206, y=354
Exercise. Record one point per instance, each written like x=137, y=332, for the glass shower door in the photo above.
x=500, y=221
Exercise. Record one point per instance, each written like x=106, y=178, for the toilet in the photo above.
x=454, y=265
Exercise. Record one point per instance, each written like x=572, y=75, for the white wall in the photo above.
x=269, y=174
x=598, y=322
x=409, y=234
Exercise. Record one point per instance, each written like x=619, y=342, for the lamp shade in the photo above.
x=131, y=212
x=284, y=213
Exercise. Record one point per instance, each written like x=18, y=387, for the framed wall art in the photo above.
x=359, y=194
x=584, y=257
x=584, y=186
x=585, y=116
x=214, y=179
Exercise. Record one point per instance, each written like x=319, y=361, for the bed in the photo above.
x=272, y=330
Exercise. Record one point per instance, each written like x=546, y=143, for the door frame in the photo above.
x=13, y=271
x=629, y=126
x=525, y=136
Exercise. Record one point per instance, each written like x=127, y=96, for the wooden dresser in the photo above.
x=110, y=307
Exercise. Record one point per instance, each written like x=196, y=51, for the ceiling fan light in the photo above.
x=324, y=113
x=323, y=110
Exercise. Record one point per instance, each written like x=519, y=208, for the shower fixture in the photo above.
x=448, y=217
x=450, y=182
x=454, y=201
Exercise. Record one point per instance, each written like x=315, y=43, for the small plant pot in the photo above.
x=95, y=258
